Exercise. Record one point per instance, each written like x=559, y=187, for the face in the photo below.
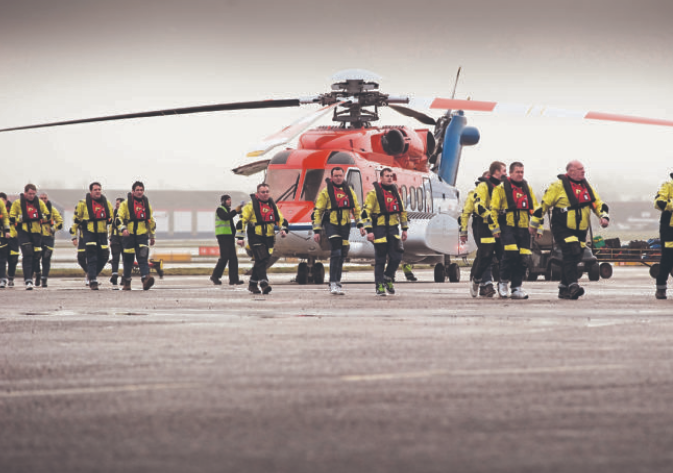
x=387, y=178
x=517, y=174
x=576, y=172
x=138, y=192
x=30, y=194
x=338, y=177
x=44, y=198
x=227, y=203
x=263, y=194
x=96, y=192
x=117, y=204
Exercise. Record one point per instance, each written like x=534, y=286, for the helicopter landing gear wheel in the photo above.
x=654, y=270
x=453, y=272
x=594, y=272
x=318, y=274
x=302, y=273
x=606, y=270
x=440, y=273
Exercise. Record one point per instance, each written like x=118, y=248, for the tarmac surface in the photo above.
x=190, y=377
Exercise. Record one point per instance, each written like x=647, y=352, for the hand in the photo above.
x=496, y=235
x=532, y=231
x=283, y=234
x=463, y=238
x=125, y=232
x=316, y=237
x=363, y=232
x=370, y=237
x=404, y=235
x=74, y=242
x=152, y=241
x=240, y=242
x=605, y=222
x=238, y=209
x=7, y=235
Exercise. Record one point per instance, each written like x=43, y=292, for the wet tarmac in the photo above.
x=194, y=377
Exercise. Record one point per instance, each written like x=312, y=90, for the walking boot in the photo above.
x=487, y=290
x=563, y=292
x=38, y=279
x=126, y=285
x=661, y=293
x=575, y=291
x=113, y=278
x=93, y=285
x=410, y=277
x=265, y=287
x=216, y=281
x=252, y=287
x=44, y=282
x=148, y=282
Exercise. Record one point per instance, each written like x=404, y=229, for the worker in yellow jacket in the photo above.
x=259, y=219
x=384, y=215
x=135, y=222
x=512, y=205
x=334, y=207
x=93, y=215
x=572, y=199
x=27, y=214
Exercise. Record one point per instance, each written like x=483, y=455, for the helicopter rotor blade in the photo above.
x=176, y=111
x=513, y=109
x=421, y=117
x=252, y=168
x=289, y=132
x=455, y=84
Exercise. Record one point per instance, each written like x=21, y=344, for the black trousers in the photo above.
x=31, y=250
x=116, y=251
x=81, y=254
x=262, y=247
x=516, y=246
x=339, y=244
x=47, y=252
x=136, y=247
x=391, y=250
x=97, y=253
x=569, y=242
x=227, y=245
x=666, y=262
x=4, y=253
x=487, y=248
x=12, y=256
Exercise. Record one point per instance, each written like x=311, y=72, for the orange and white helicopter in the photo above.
x=425, y=164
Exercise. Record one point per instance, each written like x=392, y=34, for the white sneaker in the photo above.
x=474, y=288
x=518, y=293
x=86, y=280
x=3, y=283
x=29, y=285
x=502, y=289
x=333, y=289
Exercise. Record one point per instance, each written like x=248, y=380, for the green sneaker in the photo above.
x=390, y=287
x=380, y=290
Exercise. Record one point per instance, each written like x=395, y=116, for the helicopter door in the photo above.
x=354, y=179
x=427, y=188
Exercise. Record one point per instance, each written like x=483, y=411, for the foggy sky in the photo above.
x=75, y=59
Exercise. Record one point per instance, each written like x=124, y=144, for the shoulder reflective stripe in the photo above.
x=525, y=251
x=668, y=244
x=511, y=248
x=571, y=239
x=488, y=240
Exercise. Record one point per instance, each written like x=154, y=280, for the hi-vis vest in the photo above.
x=223, y=227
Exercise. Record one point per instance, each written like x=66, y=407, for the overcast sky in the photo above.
x=72, y=59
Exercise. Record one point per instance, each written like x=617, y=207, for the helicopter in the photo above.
x=425, y=164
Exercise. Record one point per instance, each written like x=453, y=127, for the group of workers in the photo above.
x=505, y=214
x=31, y=222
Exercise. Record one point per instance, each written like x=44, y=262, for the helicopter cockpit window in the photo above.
x=420, y=199
x=313, y=183
x=403, y=196
x=283, y=183
x=412, y=198
x=280, y=158
x=354, y=179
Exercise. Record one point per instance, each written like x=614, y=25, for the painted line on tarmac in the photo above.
x=427, y=374
x=94, y=390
